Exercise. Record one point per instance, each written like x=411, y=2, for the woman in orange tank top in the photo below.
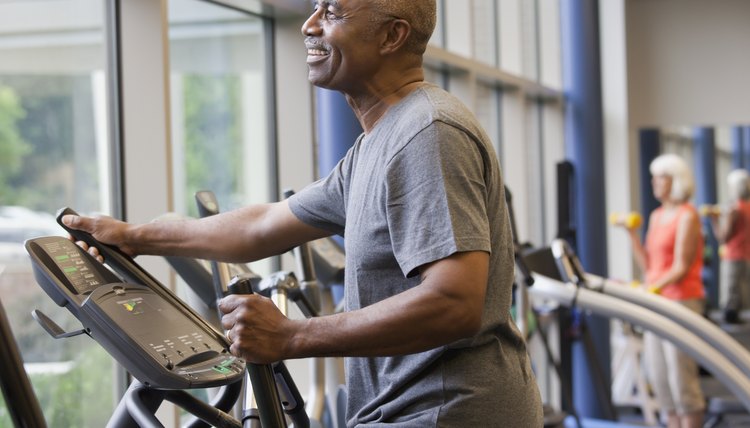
x=672, y=259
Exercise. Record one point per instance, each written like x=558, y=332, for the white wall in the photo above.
x=688, y=61
x=620, y=146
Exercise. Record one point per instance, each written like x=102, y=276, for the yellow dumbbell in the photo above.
x=709, y=210
x=630, y=220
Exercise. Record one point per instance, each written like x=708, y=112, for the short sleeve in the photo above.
x=437, y=197
x=322, y=204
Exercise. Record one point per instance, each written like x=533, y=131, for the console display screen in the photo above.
x=78, y=270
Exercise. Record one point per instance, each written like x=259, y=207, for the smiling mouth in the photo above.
x=316, y=56
x=316, y=52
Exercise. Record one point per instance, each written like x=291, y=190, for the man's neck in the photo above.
x=370, y=105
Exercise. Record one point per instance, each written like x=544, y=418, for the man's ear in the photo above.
x=396, y=34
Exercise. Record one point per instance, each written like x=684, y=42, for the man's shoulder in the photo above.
x=441, y=103
x=430, y=104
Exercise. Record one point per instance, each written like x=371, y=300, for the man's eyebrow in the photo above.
x=334, y=3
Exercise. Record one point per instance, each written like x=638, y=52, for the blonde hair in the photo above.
x=682, y=178
x=738, y=184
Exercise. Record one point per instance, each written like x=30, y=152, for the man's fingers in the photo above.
x=229, y=303
x=79, y=222
x=227, y=322
x=94, y=252
x=71, y=220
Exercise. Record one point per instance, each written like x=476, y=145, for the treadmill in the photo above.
x=566, y=284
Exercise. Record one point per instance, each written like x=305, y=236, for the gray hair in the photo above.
x=738, y=181
x=676, y=168
x=420, y=14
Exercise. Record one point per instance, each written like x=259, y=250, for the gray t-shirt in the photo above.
x=424, y=184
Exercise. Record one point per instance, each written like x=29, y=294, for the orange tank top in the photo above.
x=738, y=246
x=660, y=248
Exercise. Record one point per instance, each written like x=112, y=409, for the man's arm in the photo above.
x=241, y=235
x=445, y=307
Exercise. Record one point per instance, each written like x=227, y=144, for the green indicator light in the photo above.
x=222, y=369
x=62, y=257
x=71, y=269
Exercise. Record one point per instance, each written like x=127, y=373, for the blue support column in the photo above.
x=649, y=141
x=746, y=147
x=584, y=146
x=337, y=128
x=738, y=148
x=705, y=193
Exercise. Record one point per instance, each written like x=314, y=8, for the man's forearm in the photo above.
x=413, y=321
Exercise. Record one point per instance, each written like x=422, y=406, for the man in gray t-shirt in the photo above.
x=422, y=185
x=420, y=201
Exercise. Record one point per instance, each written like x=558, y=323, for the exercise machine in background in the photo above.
x=14, y=382
x=560, y=277
x=524, y=279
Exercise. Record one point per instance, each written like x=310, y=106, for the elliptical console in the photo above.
x=143, y=325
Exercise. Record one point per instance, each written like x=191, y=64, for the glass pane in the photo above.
x=530, y=45
x=220, y=98
x=434, y=75
x=438, y=39
x=488, y=111
x=53, y=153
x=485, y=28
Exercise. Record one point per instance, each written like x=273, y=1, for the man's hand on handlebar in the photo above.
x=105, y=229
x=259, y=332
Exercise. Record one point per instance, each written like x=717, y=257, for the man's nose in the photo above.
x=312, y=25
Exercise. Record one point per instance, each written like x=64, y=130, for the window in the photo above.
x=54, y=152
x=220, y=87
x=488, y=111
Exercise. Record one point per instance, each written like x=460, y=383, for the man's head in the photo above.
x=350, y=41
x=420, y=14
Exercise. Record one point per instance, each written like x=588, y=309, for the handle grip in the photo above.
x=113, y=256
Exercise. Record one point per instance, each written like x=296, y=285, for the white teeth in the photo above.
x=316, y=52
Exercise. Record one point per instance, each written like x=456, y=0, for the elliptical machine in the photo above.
x=158, y=338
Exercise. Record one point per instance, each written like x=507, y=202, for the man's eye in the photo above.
x=328, y=14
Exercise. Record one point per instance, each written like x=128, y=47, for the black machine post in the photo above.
x=566, y=229
x=23, y=405
x=306, y=269
x=208, y=206
x=269, y=382
x=517, y=247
